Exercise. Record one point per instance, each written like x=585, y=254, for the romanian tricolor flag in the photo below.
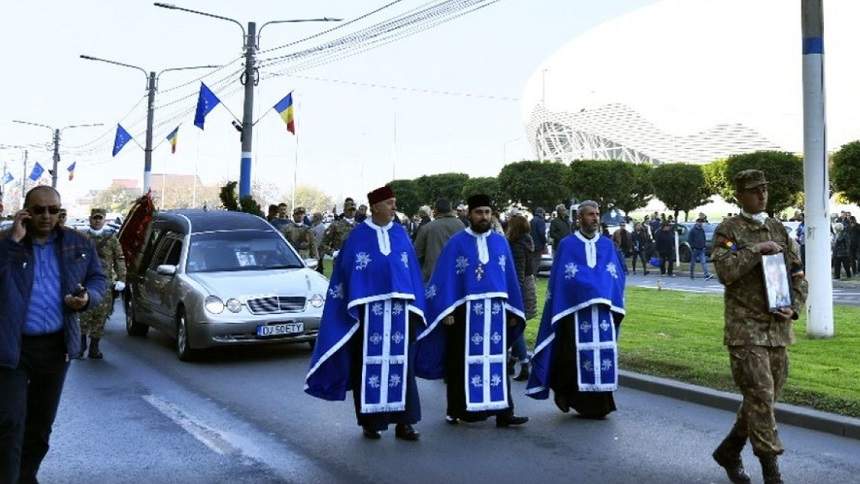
x=285, y=109
x=173, y=138
x=71, y=170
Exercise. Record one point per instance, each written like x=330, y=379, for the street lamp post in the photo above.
x=151, y=87
x=55, y=133
x=251, y=43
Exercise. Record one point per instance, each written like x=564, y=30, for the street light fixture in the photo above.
x=151, y=87
x=250, y=43
x=56, y=139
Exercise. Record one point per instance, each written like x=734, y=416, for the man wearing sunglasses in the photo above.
x=48, y=275
x=113, y=265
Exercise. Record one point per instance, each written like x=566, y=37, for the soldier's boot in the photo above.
x=95, y=353
x=728, y=456
x=83, y=343
x=770, y=470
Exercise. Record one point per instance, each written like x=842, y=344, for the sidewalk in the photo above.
x=787, y=414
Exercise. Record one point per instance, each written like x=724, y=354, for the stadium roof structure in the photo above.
x=691, y=81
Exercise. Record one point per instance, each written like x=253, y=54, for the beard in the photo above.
x=480, y=227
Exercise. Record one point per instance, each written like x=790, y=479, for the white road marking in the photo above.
x=242, y=441
x=207, y=435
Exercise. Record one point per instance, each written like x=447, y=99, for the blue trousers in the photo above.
x=698, y=255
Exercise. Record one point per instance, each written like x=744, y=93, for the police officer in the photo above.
x=339, y=230
x=300, y=236
x=113, y=265
x=755, y=337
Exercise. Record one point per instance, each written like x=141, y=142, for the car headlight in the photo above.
x=214, y=304
x=234, y=305
x=317, y=300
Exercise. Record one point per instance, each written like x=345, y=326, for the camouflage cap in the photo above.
x=299, y=210
x=98, y=211
x=748, y=179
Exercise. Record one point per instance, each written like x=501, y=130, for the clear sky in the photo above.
x=346, y=142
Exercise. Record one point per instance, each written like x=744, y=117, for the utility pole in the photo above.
x=55, y=138
x=816, y=183
x=250, y=78
x=24, y=180
x=56, y=158
x=151, y=87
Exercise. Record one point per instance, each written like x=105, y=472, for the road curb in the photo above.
x=785, y=413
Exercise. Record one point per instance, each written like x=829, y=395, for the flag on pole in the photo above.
x=206, y=101
x=7, y=178
x=285, y=109
x=37, y=172
x=122, y=137
x=172, y=137
x=71, y=170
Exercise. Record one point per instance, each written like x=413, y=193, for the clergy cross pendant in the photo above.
x=479, y=271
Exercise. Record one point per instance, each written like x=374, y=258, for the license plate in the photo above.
x=280, y=329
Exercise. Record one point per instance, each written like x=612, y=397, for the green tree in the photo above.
x=229, y=201
x=783, y=171
x=442, y=185
x=638, y=189
x=116, y=199
x=716, y=181
x=846, y=171
x=408, y=199
x=312, y=199
x=488, y=185
x=607, y=182
x=680, y=186
x=535, y=183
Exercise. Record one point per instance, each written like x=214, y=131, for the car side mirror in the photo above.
x=311, y=263
x=166, y=270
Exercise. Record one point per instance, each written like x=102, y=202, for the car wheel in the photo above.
x=132, y=327
x=183, y=343
x=684, y=253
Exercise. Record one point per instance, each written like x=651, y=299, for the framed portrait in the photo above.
x=776, y=283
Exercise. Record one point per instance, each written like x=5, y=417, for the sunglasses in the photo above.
x=40, y=209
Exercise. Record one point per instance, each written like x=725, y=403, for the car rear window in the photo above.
x=239, y=250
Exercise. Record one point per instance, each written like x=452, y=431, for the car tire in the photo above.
x=183, y=342
x=684, y=254
x=132, y=326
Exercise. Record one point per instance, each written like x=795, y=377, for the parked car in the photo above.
x=219, y=278
x=684, y=251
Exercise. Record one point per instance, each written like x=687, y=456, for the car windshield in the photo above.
x=241, y=250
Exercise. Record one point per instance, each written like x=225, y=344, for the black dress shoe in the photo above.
x=405, y=432
x=508, y=420
x=371, y=434
x=451, y=420
x=561, y=402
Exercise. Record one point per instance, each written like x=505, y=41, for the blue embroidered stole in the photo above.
x=486, y=368
x=386, y=356
x=596, y=349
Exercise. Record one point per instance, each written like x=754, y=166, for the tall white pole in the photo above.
x=819, y=305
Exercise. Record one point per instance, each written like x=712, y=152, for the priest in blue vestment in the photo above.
x=373, y=312
x=475, y=311
x=576, y=351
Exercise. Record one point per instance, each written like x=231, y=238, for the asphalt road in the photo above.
x=240, y=415
x=842, y=294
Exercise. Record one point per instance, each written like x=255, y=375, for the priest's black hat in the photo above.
x=478, y=200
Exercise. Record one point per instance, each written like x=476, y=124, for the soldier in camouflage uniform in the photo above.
x=300, y=236
x=756, y=338
x=113, y=264
x=339, y=230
